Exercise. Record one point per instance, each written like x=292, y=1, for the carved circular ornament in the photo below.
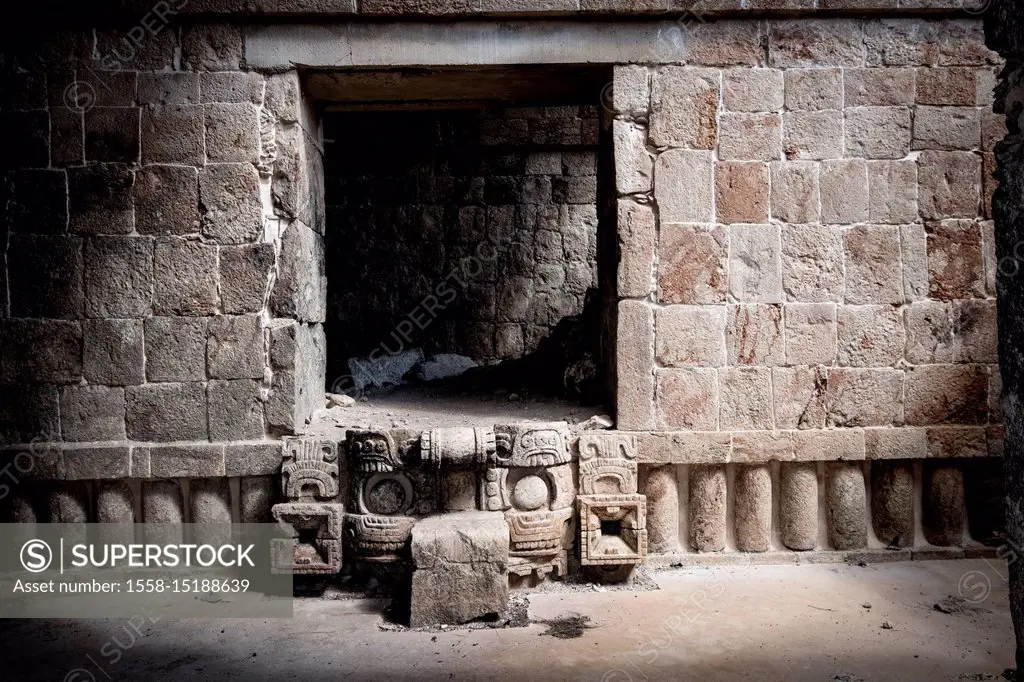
x=531, y=493
x=387, y=494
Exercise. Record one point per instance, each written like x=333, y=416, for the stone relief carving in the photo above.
x=607, y=463
x=613, y=529
x=315, y=547
x=310, y=469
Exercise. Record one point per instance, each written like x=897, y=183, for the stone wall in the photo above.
x=163, y=289
x=481, y=226
x=808, y=268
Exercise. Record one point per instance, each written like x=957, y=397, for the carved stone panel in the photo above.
x=613, y=529
x=607, y=464
x=379, y=538
x=315, y=547
x=457, y=447
x=532, y=444
x=309, y=470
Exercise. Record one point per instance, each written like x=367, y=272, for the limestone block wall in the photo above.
x=161, y=283
x=807, y=283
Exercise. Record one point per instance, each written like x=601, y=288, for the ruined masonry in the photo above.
x=800, y=303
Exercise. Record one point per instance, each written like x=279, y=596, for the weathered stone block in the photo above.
x=112, y=134
x=95, y=463
x=232, y=133
x=634, y=165
x=811, y=135
x=185, y=277
x=637, y=235
x=687, y=398
x=166, y=412
x=942, y=503
x=213, y=47
x=631, y=94
x=236, y=412
x=845, y=505
x=873, y=273
x=955, y=266
x=814, y=89
x=810, y=333
x=878, y=132
x=750, y=137
x=692, y=267
x=947, y=86
x=230, y=207
x=45, y=276
x=795, y=192
x=113, y=353
x=929, y=332
x=893, y=191
x=166, y=200
x=754, y=264
x=684, y=107
x=187, y=461
x=114, y=503
x=888, y=87
x=914, y=246
x=812, y=263
x=864, y=397
x=634, y=352
x=753, y=90
x=958, y=441
x=901, y=42
x=816, y=43
x=37, y=201
x=741, y=192
x=690, y=335
x=234, y=348
x=256, y=497
x=707, y=508
x=798, y=505
x=173, y=134
x=300, y=291
x=684, y=188
x=662, y=492
x=870, y=336
x=974, y=332
x=168, y=88
x=253, y=459
x=948, y=128
x=746, y=398
x=946, y=394
x=91, y=413
x=950, y=184
x=231, y=86
x=40, y=351
x=753, y=508
x=736, y=43
x=296, y=393
x=753, y=335
x=799, y=395
x=175, y=348
x=67, y=138
x=844, y=191
x=100, y=199
x=892, y=502
x=244, y=277
x=461, y=564
x=162, y=502
x=118, y=277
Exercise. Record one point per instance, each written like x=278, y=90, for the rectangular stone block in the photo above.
x=870, y=336
x=929, y=332
x=873, y=272
x=684, y=107
x=690, y=336
x=231, y=210
x=118, y=277
x=914, y=247
x=974, y=332
x=741, y=192
x=902, y=42
x=746, y=398
x=947, y=87
x=234, y=348
x=899, y=443
x=166, y=200
x=253, y=459
x=946, y=394
x=634, y=165
x=830, y=445
x=957, y=441
x=844, y=191
x=864, y=397
x=167, y=412
x=810, y=333
x=112, y=134
x=631, y=93
x=753, y=90
x=816, y=43
x=231, y=86
x=67, y=138
x=955, y=266
x=750, y=137
x=684, y=186
x=185, y=274
x=755, y=447
x=799, y=395
x=754, y=264
x=814, y=89
x=194, y=460
x=40, y=351
x=812, y=263
x=683, y=448
x=637, y=235
x=300, y=291
x=113, y=352
x=892, y=189
x=635, y=365
x=45, y=276
x=888, y=87
x=693, y=264
x=950, y=184
x=95, y=463
x=245, y=277
x=92, y=413
x=213, y=47
x=878, y=132
x=686, y=398
x=173, y=134
x=947, y=128
x=175, y=348
x=168, y=88
x=753, y=335
x=232, y=133
x=813, y=135
x=100, y=199
x=795, y=196
x=235, y=410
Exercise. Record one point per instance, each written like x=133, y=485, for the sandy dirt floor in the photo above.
x=809, y=622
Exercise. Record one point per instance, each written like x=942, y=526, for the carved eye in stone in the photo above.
x=328, y=453
x=380, y=447
x=367, y=446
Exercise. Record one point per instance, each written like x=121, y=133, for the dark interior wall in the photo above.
x=468, y=231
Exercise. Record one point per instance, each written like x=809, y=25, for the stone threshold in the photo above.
x=776, y=558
